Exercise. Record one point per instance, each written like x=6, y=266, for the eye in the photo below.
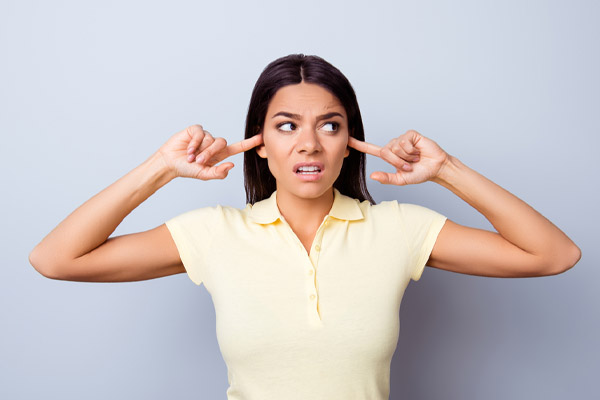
x=334, y=126
x=284, y=124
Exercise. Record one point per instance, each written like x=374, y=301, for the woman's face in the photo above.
x=305, y=136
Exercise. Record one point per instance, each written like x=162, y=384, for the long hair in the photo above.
x=291, y=70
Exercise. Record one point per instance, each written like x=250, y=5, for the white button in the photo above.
x=312, y=296
x=318, y=248
x=310, y=271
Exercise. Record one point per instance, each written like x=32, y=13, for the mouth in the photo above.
x=309, y=170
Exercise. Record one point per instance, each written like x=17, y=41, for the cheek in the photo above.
x=274, y=158
x=341, y=151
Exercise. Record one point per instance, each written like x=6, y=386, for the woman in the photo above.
x=307, y=279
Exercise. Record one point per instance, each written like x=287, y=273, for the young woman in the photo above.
x=307, y=279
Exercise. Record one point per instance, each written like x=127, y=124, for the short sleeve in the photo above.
x=421, y=227
x=191, y=233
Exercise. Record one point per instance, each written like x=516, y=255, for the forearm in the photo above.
x=515, y=220
x=93, y=222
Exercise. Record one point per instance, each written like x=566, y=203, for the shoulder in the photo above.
x=209, y=215
x=403, y=213
x=392, y=207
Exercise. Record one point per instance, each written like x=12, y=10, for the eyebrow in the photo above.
x=298, y=117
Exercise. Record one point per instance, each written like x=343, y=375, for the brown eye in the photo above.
x=281, y=127
x=334, y=126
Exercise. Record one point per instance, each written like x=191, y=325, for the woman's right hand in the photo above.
x=80, y=249
x=194, y=153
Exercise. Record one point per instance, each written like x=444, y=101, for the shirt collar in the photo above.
x=344, y=208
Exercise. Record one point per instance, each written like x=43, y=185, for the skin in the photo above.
x=79, y=248
x=288, y=141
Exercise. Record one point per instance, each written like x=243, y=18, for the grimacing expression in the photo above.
x=305, y=124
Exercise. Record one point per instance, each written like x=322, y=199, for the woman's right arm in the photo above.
x=80, y=249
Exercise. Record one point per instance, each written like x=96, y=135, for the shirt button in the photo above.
x=310, y=271
x=326, y=222
x=312, y=296
x=318, y=248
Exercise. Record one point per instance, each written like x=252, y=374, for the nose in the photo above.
x=308, y=141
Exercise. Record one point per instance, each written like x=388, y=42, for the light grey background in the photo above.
x=88, y=90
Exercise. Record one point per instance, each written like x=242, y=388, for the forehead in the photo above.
x=304, y=98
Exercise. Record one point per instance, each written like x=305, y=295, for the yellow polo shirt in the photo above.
x=292, y=325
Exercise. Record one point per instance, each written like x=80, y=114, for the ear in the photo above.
x=347, y=152
x=261, y=151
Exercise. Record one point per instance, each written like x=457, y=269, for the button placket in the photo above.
x=314, y=258
x=312, y=286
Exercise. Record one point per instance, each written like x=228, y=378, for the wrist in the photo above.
x=448, y=171
x=158, y=170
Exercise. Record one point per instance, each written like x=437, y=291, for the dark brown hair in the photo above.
x=291, y=70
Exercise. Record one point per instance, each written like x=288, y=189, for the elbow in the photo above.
x=40, y=263
x=565, y=261
x=573, y=257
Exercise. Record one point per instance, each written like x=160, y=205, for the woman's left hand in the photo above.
x=416, y=158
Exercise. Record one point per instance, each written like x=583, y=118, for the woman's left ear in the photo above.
x=347, y=151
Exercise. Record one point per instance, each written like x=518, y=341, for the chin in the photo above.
x=310, y=191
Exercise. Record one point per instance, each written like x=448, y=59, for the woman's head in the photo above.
x=293, y=70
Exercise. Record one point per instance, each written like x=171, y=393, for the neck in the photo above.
x=303, y=213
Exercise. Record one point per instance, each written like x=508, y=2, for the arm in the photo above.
x=526, y=244
x=80, y=249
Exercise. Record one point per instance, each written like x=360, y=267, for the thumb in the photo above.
x=388, y=178
x=381, y=177
x=221, y=171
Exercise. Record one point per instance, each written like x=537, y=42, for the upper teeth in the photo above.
x=308, y=168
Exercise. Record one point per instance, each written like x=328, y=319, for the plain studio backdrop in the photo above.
x=89, y=90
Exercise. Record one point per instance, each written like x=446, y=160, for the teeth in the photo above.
x=308, y=169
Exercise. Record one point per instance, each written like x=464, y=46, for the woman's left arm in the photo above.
x=526, y=244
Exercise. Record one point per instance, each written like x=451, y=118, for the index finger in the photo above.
x=365, y=147
x=244, y=145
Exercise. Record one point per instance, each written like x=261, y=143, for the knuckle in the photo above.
x=195, y=129
x=389, y=158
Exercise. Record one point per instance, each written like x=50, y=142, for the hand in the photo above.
x=416, y=158
x=194, y=153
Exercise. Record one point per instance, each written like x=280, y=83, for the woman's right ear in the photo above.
x=261, y=151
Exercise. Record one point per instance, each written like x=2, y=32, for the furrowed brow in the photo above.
x=298, y=117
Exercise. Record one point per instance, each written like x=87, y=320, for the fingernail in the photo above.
x=407, y=167
x=191, y=157
x=200, y=158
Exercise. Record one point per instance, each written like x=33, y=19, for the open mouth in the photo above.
x=308, y=170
